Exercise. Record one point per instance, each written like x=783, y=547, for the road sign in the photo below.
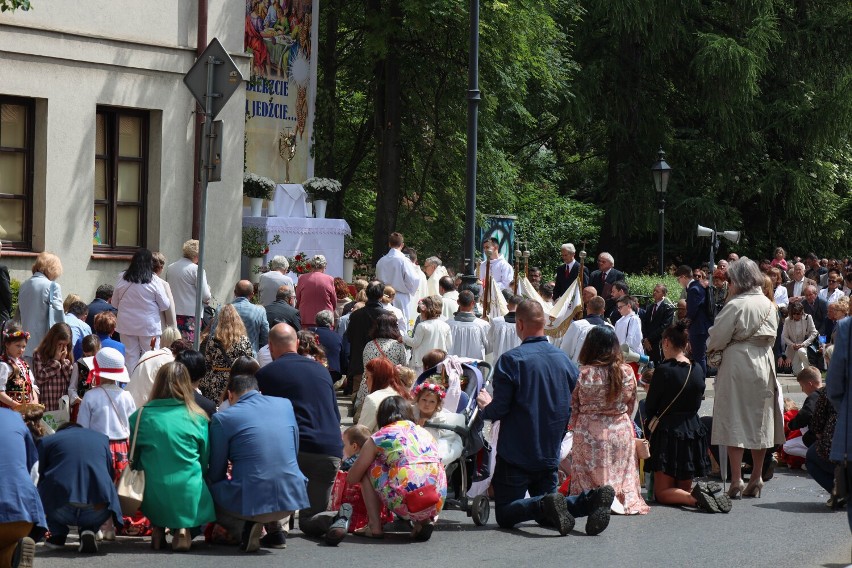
x=226, y=77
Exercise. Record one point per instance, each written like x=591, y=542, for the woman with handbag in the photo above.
x=399, y=466
x=604, y=451
x=171, y=447
x=746, y=409
x=228, y=342
x=385, y=341
x=678, y=438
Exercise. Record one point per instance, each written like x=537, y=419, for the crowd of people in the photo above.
x=137, y=397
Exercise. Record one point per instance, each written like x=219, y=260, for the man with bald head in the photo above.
x=532, y=399
x=308, y=385
x=254, y=317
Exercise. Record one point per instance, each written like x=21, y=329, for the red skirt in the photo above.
x=138, y=524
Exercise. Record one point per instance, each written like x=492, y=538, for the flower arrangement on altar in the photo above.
x=301, y=263
x=255, y=244
x=257, y=186
x=322, y=188
x=354, y=254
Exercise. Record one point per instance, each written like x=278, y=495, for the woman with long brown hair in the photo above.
x=226, y=344
x=172, y=448
x=604, y=452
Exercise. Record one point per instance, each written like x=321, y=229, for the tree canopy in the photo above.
x=751, y=100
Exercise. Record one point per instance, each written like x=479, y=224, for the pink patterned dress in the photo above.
x=604, y=451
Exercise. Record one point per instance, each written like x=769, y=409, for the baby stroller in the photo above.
x=476, y=450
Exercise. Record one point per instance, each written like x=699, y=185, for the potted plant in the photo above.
x=321, y=190
x=257, y=188
x=351, y=257
x=255, y=247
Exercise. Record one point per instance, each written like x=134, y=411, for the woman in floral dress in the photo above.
x=400, y=467
x=228, y=342
x=604, y=452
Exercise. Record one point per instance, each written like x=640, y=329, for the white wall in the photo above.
x=77, y=55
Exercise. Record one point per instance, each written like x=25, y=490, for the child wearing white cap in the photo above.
x=106, y=408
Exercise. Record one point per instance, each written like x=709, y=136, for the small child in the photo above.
x=406, y=376
x=80, y=382
x=354, y=439
x=432, y=358
x=17, y=385
x=428, y=407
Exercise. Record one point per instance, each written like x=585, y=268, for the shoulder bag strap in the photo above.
x=379, y=347
x=688, y=374
x=133, y=442
x=114, y=407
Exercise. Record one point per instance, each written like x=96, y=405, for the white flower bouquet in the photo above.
x=257, y=186
x=322, y=188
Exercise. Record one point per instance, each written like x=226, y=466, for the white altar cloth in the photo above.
x=308, y=235
x=289, y=200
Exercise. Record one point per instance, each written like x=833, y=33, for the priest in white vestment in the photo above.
x=470, y=337
x=396, y=270
x=503, y=335
x=434, y=269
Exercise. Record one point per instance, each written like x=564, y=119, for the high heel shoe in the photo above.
x=735, y=490
x=158, y=537
x=181, y=541
x=755, y=485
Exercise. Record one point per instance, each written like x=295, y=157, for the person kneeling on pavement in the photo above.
x=76, y=486
x=265, y=463
x=532, y=401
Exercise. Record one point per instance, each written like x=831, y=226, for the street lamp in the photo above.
x=661, y=172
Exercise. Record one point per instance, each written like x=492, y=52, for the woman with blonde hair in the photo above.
x=142, y=376
x=52, y=365
x=226, y=344
x=172, y=449
x=40, y=300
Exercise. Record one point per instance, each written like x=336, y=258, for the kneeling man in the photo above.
x=259, y=436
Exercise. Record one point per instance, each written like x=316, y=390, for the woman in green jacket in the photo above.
x=172, y=448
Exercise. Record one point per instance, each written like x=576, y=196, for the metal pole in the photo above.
x=662, y=235
x=205, y=171
x=472, y=121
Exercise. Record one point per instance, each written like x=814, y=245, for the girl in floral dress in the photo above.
x=400, y=467
x=604, y=452
x=16, y=381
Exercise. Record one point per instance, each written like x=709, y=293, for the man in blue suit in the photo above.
x=699, y=322
x=266, y=484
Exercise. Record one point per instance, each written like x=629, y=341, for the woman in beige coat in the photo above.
x=746, y=411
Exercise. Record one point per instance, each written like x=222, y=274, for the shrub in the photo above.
x=642, y=286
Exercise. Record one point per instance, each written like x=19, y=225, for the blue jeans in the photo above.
x=510, y=483
x=85, y=519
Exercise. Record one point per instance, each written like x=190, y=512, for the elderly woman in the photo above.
x=139, y=297
x=332, y=343
x=746, y=410
x=168, y=317
x=799, y=334
x=40, y=300
x=273, y=279
x=315, y=292
x=431, y=333
x=399, y=466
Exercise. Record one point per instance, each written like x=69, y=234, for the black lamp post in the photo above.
x=472, y=128
x=661, y=171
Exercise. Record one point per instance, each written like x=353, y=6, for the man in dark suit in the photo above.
x=797, y=284
x=282, y=310
x=568, y=272
x=604, y=277
x=699, y=323
x=76, y=486
x=619, y=289
x=358, y=330
x=658, y=316
x=240, y=435
x=308, y=385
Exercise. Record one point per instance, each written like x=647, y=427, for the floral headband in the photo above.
x=432, y=387
x=16, y=334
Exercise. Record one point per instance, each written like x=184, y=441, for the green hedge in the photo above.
x=15, y=285
x=642, y=286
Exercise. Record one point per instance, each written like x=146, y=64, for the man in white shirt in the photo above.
x=797, y=284
x=274, y=279
x=397, y=271
x=449, y=298
x=500, y=270
x=181, y=276
x=469, y=333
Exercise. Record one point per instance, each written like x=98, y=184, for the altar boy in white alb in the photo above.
x=500, y=270
x=394, y=269
x=469, y=333
x=503, y=335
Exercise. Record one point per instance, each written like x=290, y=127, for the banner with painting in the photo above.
x=281, y=37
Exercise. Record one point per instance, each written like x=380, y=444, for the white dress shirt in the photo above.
x=503, y=336
x=181, y=276
x=394, y=269
x=629, y=331
x=501, y=271
x=470, y=338
x=269, y=284
x=107, y=409
x=428, y=335
x=829, y=299
x=781, y=297
x=139, y=306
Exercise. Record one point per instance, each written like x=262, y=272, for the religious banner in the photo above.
x=282, y=39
